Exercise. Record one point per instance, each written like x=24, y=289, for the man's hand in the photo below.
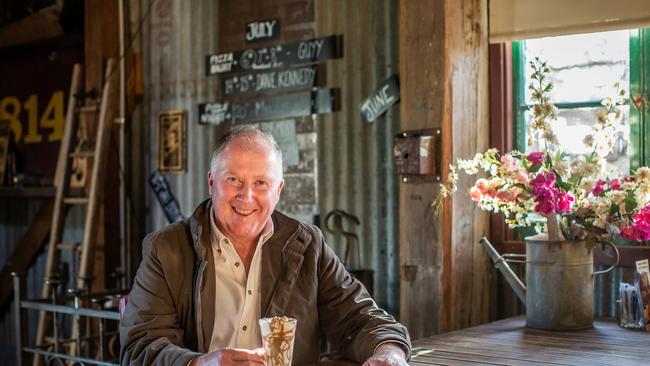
x=388, y=354
x=231, y=356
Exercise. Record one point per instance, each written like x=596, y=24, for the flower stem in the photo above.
x=552, y=227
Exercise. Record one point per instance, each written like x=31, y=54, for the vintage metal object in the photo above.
x=352, y=257
x=172, y=142
x=64, y=350
x=559, y=290
x=416, y=155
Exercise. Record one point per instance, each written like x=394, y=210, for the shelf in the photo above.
x=27, y=192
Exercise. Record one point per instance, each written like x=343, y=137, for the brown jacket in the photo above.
x=170, y=313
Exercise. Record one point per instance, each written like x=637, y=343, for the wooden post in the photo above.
x=101, y=40
x=444, y=83
x=421, y=58
x=467, y=89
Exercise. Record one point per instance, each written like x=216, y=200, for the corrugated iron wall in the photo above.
x=16, y=215
x=354, y=157
x=176, y=37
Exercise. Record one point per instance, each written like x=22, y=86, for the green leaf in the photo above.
x=630, y=201
x=565, y=186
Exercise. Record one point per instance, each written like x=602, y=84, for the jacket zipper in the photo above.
x=197, y=287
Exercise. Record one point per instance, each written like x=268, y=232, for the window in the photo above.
x=584, y=70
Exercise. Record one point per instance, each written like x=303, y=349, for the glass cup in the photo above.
x=629, y=309
x=278, y=334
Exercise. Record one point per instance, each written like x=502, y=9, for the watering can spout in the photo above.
x=500, y=263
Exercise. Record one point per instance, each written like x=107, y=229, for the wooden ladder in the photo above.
x=85, y=143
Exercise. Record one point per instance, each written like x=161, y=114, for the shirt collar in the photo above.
x=218, y=237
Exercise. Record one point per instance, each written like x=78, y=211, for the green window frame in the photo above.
x=640, y=85
x=639, y=119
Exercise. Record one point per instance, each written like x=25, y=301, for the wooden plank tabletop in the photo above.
x=509, y=342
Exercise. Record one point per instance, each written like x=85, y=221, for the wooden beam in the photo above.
x=501, y=123
x=444, y=83
x=26, y=251
x=467, y=100
x=421, y=42
x=101, y=43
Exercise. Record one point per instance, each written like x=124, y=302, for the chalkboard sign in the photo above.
x=381, y=99
x=275, y=107
x=269, y=81
x=263, y=30
x=277, y=56
x=165, y=197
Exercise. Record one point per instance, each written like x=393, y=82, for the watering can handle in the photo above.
x=618, y=257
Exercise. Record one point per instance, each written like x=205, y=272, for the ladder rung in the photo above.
x=82, y=154
x=75, y=200
x=67, y=246
x=88, y=109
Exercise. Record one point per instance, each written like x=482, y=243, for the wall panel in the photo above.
x=355, y=157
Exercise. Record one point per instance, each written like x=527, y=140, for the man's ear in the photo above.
x=280, y=186
x=210, y=181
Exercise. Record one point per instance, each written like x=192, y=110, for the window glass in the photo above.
x=583, y=69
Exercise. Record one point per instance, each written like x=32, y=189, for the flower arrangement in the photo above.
x=579, y=198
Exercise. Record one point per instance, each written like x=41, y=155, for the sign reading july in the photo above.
x=263, y=30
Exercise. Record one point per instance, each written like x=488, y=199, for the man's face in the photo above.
x=245, y=188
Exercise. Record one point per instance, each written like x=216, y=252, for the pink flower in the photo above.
x=482, y=185
x=614, y=184
x=633, y=232
x=640, y=229
x=522, y=176
x=475, y=193
x=543, y=181
x=549, y=198
x=598, y=188
x=536, y=158
x=545, y=198
x=508, y=162
x=545, y=207
x=564, y=202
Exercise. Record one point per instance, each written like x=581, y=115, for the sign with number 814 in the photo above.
x=29, y=123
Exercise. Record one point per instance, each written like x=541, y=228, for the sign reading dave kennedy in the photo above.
x=381, y=99
x=277, y=56
x=280, y=80
x=275, y=107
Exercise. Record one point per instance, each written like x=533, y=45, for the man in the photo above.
x=203, y=283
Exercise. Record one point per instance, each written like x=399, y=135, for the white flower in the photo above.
x=642, y=174
x=469, y=166
x=626, y=186
x=617, y=197
x=562, y=168
x=588, y=183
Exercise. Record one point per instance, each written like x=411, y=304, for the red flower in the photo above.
x=536, y=158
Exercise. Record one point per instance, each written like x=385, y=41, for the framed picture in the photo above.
x=172, y=142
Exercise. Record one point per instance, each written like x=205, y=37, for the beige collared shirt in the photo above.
x=238, y=298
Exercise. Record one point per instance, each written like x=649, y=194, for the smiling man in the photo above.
x=203, y=283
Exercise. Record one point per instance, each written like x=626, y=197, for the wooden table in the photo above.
x=509, y=342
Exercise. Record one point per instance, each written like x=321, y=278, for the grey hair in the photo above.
x=250, y=137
